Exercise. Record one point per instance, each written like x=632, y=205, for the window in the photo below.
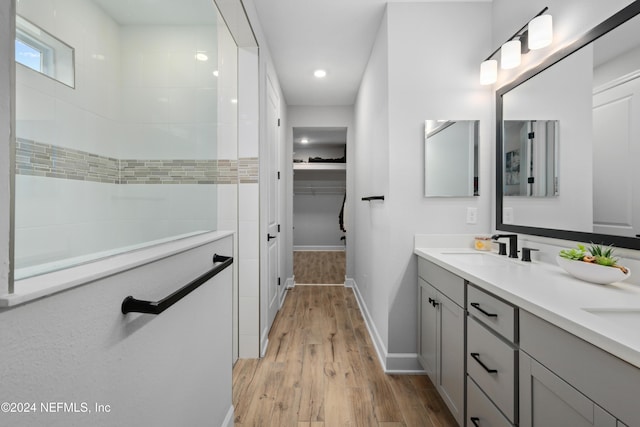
x=42, y=52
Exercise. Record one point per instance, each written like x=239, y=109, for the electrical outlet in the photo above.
x=472, y=215
x=507, y=216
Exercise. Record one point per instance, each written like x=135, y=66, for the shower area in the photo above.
x=126, y=124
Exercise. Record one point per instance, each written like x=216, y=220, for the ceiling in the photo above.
x=335, y=35
x=159, y=12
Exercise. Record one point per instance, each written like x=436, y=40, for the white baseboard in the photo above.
x=228, y=420
x=318, y=248
x=290, y=283
x=392, y=363
x=264, y=343
x=349, y=283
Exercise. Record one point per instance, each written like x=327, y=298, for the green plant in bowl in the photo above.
x=595, y=254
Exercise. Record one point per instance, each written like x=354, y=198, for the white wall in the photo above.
x=165, y=370
x=372, y=220
x=249, y=206
x=266, y=68
x=437, y=81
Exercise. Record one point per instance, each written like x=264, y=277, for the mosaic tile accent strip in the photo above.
x=35, y=158
x=168, y=171
x=248, y=170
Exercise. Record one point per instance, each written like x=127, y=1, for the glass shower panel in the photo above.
x=130, y=156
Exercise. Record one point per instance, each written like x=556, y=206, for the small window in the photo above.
x=44, y=53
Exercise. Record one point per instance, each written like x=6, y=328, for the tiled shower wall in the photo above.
x=46, y=160
x=143, y=111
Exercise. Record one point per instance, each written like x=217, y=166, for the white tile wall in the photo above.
x=139, y=93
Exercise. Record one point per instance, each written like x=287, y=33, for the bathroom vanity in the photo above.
x=513, y=343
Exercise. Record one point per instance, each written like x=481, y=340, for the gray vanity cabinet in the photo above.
x=547, y=400
x=567, y=381
x=442, y=323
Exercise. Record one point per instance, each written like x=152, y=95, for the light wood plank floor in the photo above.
x=321, y=370
x=319, y=267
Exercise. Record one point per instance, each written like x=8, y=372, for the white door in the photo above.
x=616, y=179
x=272, y=234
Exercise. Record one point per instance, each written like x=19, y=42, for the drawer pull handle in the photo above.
x=476, y=357
x=486, y=313
x=475, y=421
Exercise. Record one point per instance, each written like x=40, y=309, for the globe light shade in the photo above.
x=540, y=32
x=510, y=55
x=488, y=72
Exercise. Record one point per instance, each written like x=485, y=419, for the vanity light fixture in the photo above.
x=535, y=34
x=304, y=141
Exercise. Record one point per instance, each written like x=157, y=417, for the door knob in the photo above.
x=269, y=237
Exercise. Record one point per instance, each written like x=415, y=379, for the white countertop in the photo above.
x=550, y=293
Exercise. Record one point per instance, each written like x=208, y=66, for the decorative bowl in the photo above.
x=593, y=273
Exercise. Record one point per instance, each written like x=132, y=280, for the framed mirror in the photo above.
x=451, y=158
x=590, y=92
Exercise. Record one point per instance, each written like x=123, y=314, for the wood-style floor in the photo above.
x=319, y=267
x=321, y=370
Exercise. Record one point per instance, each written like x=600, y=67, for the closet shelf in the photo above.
x=316, y=189
x=319, y=166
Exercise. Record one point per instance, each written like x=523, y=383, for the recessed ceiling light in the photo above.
x=320, y=73
x=216, y=73
x=304, y=141
x=201, y=56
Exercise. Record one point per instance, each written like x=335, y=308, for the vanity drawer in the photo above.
x=444, y=281
x=481, y=411
x=491, y=363
x=493, y=312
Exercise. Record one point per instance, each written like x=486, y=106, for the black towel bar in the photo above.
x=370, y=198
x=132, y=305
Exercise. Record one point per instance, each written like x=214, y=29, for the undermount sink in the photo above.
x=626, y=316
x=478, y=259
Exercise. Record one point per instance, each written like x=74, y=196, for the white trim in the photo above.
x=228, y=419
x=392, y=363
x=290, y=283
x=404, y=363
x=319, y=284
x=47, y=284
x=349, y=283
x=264, y=343
x=381, y=349
x=302, y=248
x=617, y=82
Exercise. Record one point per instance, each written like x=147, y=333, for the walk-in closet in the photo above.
x=319, y=196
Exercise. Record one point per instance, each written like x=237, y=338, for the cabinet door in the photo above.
x=451, y=356
x=547, y=400
x=428, y=329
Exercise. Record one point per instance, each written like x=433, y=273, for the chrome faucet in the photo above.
x=513, y=243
